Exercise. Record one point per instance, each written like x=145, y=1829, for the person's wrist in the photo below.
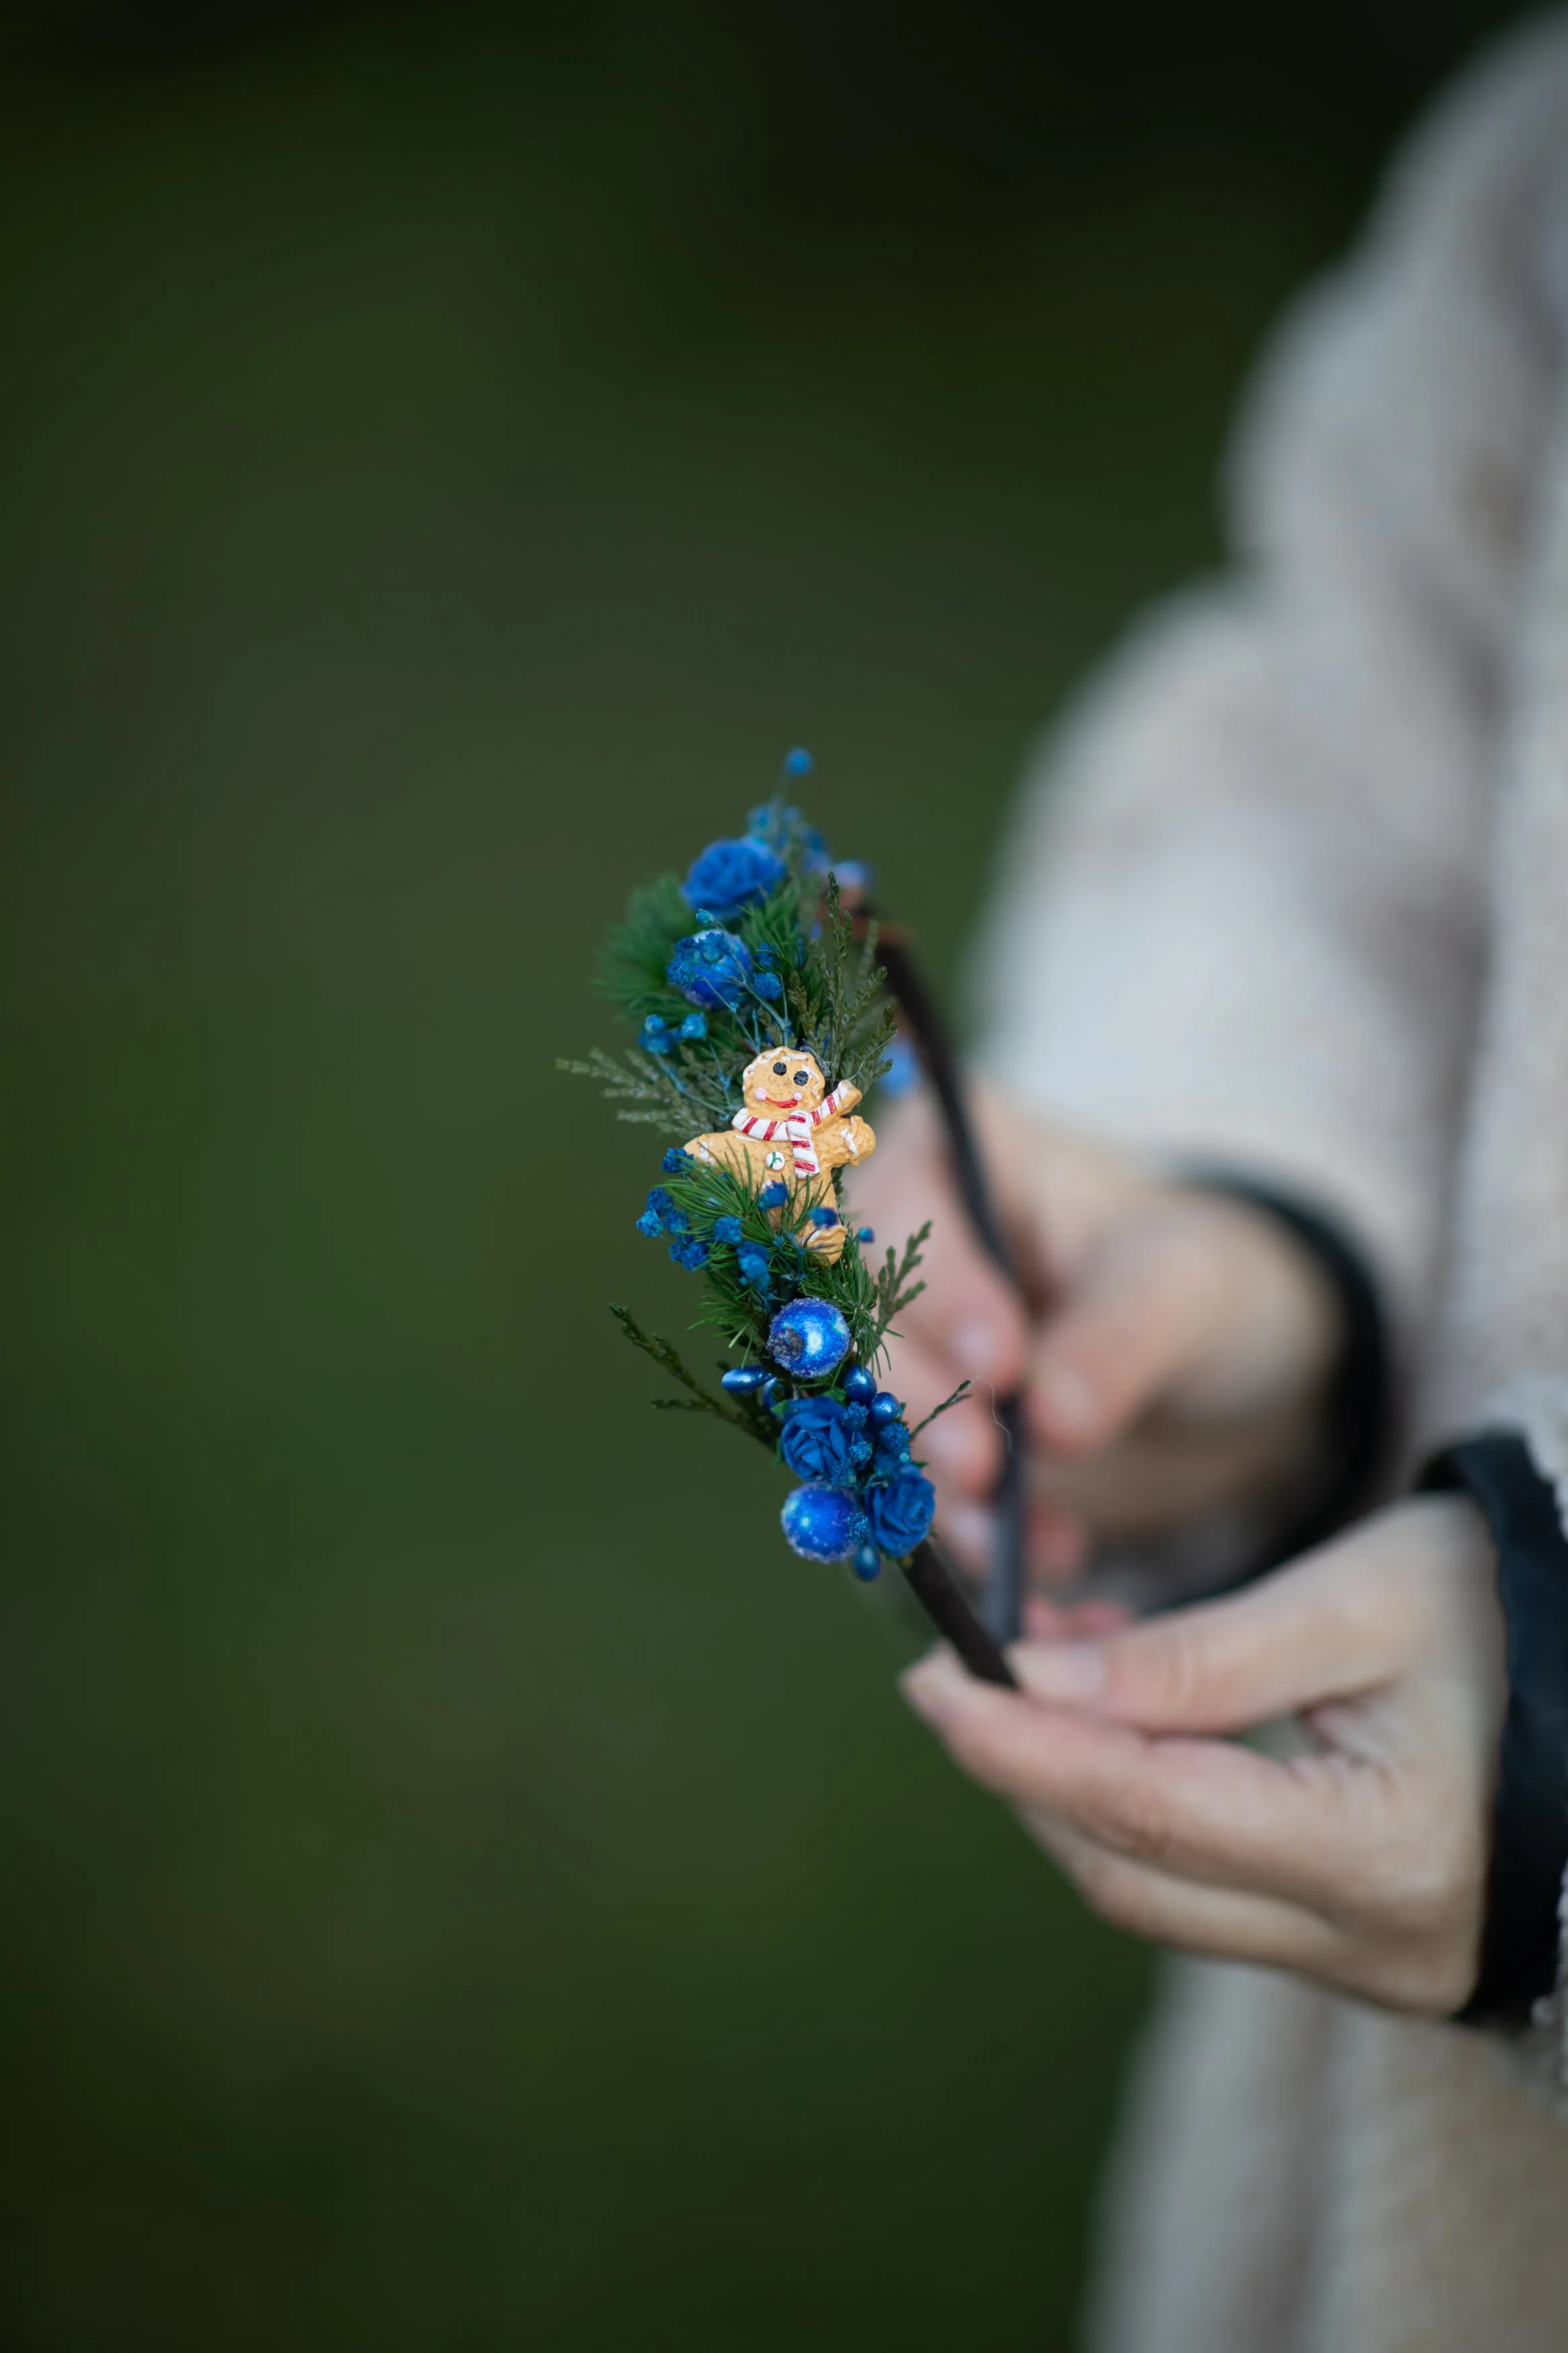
x=1346, y=1426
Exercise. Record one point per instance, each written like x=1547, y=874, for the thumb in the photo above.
x=1322, y=1629
x=1139, y=1316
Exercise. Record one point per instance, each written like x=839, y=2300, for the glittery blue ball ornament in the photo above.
x=885, y=1407
x=823, y=1523
x=743, y=1380
x=809, y=1339
x=860, y=1385
x=867, y=1561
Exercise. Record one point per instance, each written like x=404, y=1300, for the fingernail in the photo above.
x=948, y=1444
x=977, y=1347
x=1070, y=1671
x=922, y=1687
x=969, y=1529
x=1067, y=1400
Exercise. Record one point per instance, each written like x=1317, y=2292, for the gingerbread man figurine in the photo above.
x=796, y=1134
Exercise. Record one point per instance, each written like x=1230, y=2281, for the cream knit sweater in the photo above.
x=1291, y=890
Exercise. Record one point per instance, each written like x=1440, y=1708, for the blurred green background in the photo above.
x=465, y=1887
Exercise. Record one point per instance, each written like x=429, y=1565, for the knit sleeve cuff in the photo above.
x=1523, y=1930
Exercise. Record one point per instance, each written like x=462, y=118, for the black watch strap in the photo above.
x=1524, y=1928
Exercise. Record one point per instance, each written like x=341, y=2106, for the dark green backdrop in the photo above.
x=465, y=1887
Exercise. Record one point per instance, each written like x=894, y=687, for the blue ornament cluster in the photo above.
x=863, y=1496
x=860, y=1497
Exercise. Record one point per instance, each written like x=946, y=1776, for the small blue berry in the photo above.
x=798, y=763
x=867, y=1561
x=744, y=1380
x=860, y=1384
x=752, y=1261
x=885, y=1407
x=864, y=1234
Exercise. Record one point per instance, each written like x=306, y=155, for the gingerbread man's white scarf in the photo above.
x=797, y=1128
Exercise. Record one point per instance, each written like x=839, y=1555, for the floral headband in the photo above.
x=762, y=1019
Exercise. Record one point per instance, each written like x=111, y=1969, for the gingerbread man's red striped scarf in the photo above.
x=797, y=1128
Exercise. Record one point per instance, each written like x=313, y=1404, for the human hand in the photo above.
x=1362, y=1862
x=1174, y=1348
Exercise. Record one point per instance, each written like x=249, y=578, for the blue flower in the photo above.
x=769, y=986
x=798, y=763
x=773, y=1196
x=667, y=1217
x=711, y=967
x=727, y=1230
x=675, y=1163
x=903, y=1070
x=780, y=830
x=651, y=1224
x=822, y=1216
x=729, y=874
x=767, y=955
x=689, y=1252
x=819, y=1444
x=901, y=1512
x=752, y=1261
x=693, y=1028
x=656, y=1037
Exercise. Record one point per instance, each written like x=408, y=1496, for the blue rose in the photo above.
x=818, y=1443
x=711, y=967
x=901, y=1512
x=729, y=874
